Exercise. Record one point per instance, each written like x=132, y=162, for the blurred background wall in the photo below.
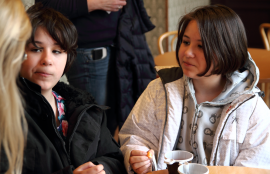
x=253, y=13
x=165, y=15
x=28, y=3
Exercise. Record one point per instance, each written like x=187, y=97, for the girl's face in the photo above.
x=45, y=65
x=191, y=56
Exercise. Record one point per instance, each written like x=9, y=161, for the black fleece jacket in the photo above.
x=88, y=138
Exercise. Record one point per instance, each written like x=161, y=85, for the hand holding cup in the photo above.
x=139, y=161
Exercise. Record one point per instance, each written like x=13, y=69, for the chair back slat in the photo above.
x=163, y=36
x=265, y=33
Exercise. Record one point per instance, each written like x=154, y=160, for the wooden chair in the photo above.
x=165, y=35
x=265, y=33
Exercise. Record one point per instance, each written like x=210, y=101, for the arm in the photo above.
x=255, y=150
x=142, y=129
x=108, y=152
x=77, y=8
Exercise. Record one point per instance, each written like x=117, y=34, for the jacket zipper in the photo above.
x=215, y=160
x=56, y=131
x=166, y=111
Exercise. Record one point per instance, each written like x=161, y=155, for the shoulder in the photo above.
x=170, y=74
x=254, y=112
x=261, y=110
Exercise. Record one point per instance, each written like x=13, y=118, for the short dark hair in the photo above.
x=58, y=26
x=223, y=35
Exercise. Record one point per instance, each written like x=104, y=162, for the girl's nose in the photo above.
x=189, y=52
x=46, y=58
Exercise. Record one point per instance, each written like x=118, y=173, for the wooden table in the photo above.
x=166, y=59
x=226, y=170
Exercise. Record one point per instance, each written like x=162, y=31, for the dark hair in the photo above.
x=58, y=26
x=223, y=35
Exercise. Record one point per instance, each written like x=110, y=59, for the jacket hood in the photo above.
x=242, y=81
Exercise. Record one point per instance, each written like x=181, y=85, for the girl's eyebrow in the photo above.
x=186, y=36
x=36, y=41
x=189, y=38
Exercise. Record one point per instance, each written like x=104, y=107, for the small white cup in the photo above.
x=176, y=157
x=192, y=168
x=179, y=156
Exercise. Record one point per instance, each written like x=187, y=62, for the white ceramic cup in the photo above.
x=179, y=156
x=192, y=168
x=176, y=157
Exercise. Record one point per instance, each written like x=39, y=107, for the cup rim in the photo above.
x=207, y=172
x=188, y=159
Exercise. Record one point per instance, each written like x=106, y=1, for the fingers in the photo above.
x=139, y=162
x=98, y=169
x=121, y=2
x=89, y=168
x=137, y=156
x=142, y=167
x=138, y=165
x=138, y=159
x=116, y=5
x=138, y=153
x=84, y=166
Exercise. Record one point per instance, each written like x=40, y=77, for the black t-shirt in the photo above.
x=95, y=29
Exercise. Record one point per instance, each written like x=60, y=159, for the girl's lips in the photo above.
x=43, y=74
x=187, y=64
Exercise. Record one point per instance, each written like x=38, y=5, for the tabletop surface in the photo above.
x=260, y=56
x=226, y=170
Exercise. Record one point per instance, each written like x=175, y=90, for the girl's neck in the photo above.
x=208, y=88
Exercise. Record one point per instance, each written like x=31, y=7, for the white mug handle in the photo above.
x=169, y=161
x=185, y=167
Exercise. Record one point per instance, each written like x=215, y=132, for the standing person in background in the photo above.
x=15, y=29
x=94, y=68
x=116, y=76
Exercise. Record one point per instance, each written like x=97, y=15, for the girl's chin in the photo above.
x=189, y=74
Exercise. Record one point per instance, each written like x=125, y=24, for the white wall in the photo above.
x=178, y=8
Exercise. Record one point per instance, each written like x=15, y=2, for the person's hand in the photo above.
x=106, y=5
x=139, y=161
x=89, y=168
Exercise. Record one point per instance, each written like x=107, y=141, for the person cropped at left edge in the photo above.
x=67, y=129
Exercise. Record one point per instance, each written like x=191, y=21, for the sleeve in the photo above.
x=70, y=8
x=66, y=170
x=255, y=150
x=142, y=129
x=108, y=152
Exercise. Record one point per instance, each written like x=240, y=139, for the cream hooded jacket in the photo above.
x=242, y=137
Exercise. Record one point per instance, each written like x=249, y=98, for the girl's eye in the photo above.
x=200, y=46
x=36, y=50
x=57, y=52
x=185, y=42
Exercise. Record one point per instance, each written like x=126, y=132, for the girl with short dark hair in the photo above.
x=67, y=129
x=209, y=106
